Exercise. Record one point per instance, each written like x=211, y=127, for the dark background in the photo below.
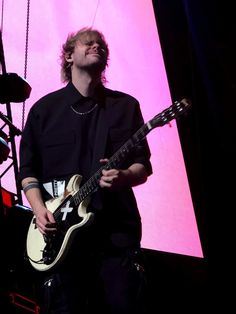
x=199, y=51
x=198, y=45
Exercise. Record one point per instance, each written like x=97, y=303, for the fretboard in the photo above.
x=92, y=184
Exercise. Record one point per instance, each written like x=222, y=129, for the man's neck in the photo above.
x=85, y=84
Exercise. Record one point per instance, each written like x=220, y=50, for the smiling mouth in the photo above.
x=95, y=53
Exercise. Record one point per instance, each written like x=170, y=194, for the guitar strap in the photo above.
x=100, y=139
x=99, y=150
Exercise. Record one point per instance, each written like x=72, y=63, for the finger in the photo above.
x=105, y=183
x=103, y=160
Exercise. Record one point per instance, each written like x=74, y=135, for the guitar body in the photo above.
x=44, y=253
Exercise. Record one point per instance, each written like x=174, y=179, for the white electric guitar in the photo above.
x=70, y=209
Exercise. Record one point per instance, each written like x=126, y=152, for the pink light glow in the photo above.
x=136, y=67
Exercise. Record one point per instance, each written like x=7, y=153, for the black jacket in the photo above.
x=52, y=142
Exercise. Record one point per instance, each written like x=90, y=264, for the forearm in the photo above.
x=33, y=194
x=45, y=221
x=135, y=175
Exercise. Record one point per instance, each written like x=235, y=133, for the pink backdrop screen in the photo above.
x=136, y=67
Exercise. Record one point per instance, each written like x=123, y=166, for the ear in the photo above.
x=68, y=58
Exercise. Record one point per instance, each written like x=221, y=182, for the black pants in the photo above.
x=111, y=283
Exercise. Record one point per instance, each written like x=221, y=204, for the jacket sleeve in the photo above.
x=126, y=119
x=28, y=151
x=142, y=151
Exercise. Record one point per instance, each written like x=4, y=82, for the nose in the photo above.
x=95, y=45
x=98, y=48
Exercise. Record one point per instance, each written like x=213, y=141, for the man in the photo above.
x=76, y=130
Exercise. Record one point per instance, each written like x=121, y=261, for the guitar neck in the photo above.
x=170, y=113
x=115, y=161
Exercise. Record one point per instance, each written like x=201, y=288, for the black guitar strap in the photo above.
x=99, y=149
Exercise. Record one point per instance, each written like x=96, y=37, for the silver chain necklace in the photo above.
x=84, y=113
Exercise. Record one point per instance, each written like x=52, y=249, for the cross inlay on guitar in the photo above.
x=65, y=210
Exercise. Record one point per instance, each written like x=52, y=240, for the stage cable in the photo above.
x=1, y=31
x=96, y=10
x=2, y=15
x=26, y=56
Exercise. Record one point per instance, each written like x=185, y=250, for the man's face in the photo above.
x=90, y=53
